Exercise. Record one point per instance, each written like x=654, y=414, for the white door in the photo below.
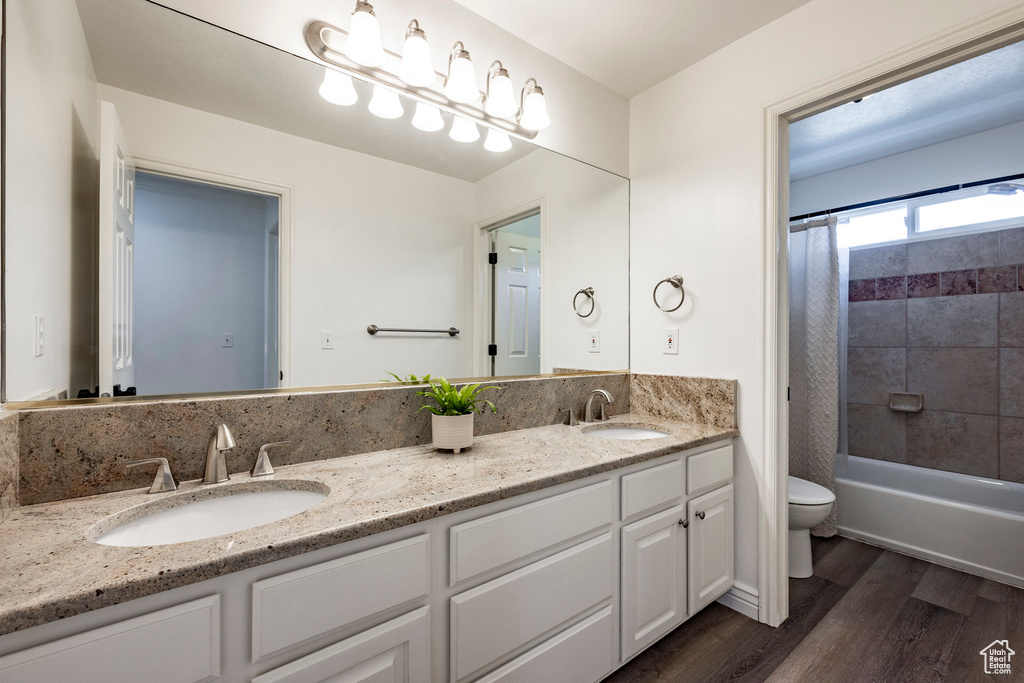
x=711, y=549
x=517, y=304
x=653, y=579
x=116, y=255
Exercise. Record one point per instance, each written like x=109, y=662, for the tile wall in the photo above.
x=943, y=318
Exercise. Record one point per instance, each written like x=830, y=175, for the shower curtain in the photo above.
x=814, y=356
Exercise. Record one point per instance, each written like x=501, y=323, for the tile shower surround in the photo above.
x=944, y=318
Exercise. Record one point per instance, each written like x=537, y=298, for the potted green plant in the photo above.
x=452, y=412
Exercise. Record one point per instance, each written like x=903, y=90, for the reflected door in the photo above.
x=517, y=304
x=116, y=256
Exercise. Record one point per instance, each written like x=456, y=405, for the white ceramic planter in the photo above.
x=452, y=431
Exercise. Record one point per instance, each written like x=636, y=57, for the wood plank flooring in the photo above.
x=867, y=615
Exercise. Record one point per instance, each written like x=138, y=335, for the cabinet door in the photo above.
x=397, y=651
x=653, y=579
x=711, y=546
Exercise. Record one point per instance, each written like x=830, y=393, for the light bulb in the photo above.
x=535, y=111
x=460, y=86
x=363, y=43
x=385, y=103
x=427, y=118
x=497, y=141
x=337, y=88
x=501, y=98
x=464, y=130
x=416, y=67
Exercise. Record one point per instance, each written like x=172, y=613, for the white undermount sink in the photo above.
x=206, y=512
x=624, y=432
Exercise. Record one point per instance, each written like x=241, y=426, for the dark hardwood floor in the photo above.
x=866, y=615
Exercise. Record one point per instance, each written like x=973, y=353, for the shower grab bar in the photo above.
x=373, y=329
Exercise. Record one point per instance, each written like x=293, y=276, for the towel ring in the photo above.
x=589, y=293
x=677, y=282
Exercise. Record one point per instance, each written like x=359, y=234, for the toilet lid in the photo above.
x=802, y=492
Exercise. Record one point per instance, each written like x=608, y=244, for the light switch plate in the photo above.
x=594, y=342
x=227, y=340
x=326, y=340
x=40, y=332
x=670, y=343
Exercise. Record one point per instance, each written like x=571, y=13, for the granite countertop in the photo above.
x=51, y=570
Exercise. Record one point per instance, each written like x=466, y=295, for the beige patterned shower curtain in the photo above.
x=814, y=356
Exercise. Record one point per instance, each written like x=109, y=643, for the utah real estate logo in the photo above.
x=997, y=657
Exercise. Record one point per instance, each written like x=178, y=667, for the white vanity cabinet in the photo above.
x=711, y=546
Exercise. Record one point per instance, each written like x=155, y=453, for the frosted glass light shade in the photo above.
x=337, y=88
x=535, y=112
x=385, y=104
x=363, y=43
x=497, y=141
x=416, y=67
x=464, y=130
x=501, y=98
x=461, y=83
x=427, y=118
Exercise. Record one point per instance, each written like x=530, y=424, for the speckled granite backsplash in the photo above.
x=8, y=463
x=700, y=400
x=67, y=452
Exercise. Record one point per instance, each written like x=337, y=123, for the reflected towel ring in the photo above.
x=589, y=293
x=677, y=282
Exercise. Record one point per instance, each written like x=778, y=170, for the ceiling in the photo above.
x=970, y=97
x=631, y=45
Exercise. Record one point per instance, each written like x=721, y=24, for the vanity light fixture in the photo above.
x=497, y=141
x=337, y=88
x=427, y=118
x=363, y=43
x=416, y=68
x=460, y=86
x=501, y=97
x=385, y=103
x=463, y=130
x=534, y=112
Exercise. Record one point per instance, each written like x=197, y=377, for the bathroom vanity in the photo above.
x=558, y=564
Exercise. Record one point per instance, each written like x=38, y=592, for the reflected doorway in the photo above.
x=515, y=295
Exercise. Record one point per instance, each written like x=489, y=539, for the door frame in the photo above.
x=988, y=32
x=482, y=282
x=284, y=260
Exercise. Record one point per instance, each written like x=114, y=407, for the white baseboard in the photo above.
x=743, y=599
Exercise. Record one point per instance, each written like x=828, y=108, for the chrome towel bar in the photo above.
x=373, y=329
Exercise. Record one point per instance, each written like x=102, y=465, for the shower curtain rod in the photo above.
x=904, y=197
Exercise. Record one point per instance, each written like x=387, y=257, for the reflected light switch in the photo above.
x=227, y=340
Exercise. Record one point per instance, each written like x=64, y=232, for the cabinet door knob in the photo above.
x=684, y=523
x=700, y=515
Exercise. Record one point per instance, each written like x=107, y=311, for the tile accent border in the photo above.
x=994, y=280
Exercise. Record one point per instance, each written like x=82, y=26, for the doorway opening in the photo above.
x=515, y=264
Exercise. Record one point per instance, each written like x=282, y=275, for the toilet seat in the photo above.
x=803, y=492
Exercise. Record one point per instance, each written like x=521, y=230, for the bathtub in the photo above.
x=969, y=523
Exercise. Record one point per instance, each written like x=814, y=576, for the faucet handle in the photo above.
x=263, y=466
x=570, y=418
x=164, y=480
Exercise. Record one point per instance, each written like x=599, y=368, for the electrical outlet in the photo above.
x=227, y=340
x=594, y=342
x=671, y=344
x=326, y=340
x=40, y=338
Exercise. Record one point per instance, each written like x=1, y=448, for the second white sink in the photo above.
x=625, y=433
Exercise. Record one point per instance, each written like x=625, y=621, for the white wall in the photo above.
x=373, y=241
x=200, y=271
x=585, y=244
x=989, y=154
x=51, y=200
x=697, y=196
x=588, y=121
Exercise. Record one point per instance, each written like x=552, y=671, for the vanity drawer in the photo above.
x=180, y=644
x=496, y=618
x=496, y=540
x=708, y=469
x=292, y=608
x=651, y=487
x=581, y=654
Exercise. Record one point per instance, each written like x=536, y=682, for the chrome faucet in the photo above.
x=216, y=465
x=588, y=408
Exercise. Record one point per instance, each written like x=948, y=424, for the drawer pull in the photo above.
x=684, y=523
x=700, y=515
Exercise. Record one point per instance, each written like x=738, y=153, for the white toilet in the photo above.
x=809, y=506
